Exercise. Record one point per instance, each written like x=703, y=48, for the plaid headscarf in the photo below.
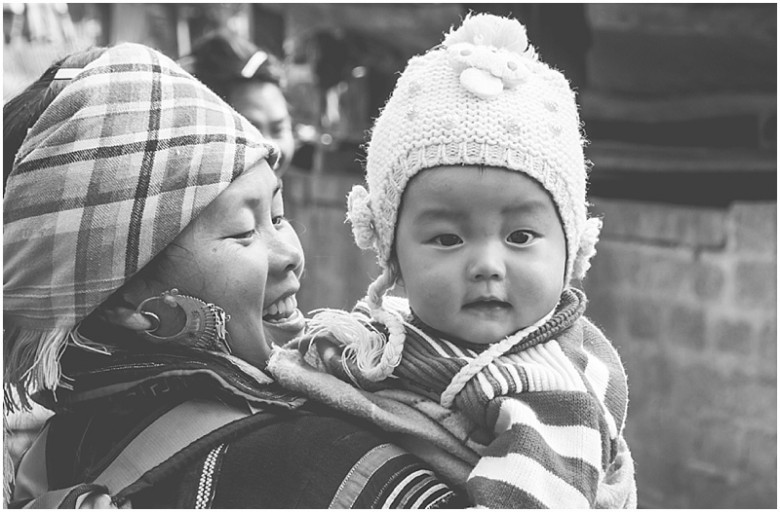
x=130, y=152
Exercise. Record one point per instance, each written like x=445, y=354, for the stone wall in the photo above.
x=688, y=296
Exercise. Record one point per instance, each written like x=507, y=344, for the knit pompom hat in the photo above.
x=480, y=98
x=123, y=159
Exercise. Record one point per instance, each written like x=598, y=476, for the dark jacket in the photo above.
x=288, y=453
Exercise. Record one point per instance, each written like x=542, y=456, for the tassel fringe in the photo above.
x=374, y=354
x=32, y=363
x=362, y=343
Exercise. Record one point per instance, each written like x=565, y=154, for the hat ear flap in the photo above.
x=361, y=217
x=587, y=249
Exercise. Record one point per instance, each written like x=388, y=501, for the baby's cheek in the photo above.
x=432, y=301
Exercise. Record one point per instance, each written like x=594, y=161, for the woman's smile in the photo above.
x=280, y=309
x=283, y=315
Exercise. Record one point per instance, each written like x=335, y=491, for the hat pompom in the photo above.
x=489, y=30
x=490, y=54
x=588, y=240
x=360, y=216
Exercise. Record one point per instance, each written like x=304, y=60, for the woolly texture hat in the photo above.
x=129, y=153
x=480, y=98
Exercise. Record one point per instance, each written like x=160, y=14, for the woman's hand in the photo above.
x=100, y=501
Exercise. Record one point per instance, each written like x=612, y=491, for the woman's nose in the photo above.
x=487, y=263
x=287, y=254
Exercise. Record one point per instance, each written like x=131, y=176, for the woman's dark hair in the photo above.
x=221, y=60
x=22, y=111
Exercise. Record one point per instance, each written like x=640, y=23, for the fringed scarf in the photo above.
x=129, y=153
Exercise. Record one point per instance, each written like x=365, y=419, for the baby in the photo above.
x=476, y=205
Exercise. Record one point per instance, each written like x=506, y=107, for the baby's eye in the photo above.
x=278, y=220
x=447, y=240
x=521, y=237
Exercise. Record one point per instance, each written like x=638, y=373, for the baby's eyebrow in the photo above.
x=531, y=206
x=435, y=214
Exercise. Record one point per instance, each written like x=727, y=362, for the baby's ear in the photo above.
x=395, y=268
x=124, y=316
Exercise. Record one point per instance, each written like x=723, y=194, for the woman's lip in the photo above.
x=295, y=322
x=280, y=298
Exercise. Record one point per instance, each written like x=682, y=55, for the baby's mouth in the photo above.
x=487, y=305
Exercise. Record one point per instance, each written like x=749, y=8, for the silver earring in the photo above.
x=203, y=325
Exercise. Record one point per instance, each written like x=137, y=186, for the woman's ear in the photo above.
x=120, y=308
x=126, y=317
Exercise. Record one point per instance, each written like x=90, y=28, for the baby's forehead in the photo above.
x=465, y=179
x=457, y=191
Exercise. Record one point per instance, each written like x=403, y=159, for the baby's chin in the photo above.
x=479, y=333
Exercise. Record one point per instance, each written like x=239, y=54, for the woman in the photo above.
x=250, y=80
x=146, y=256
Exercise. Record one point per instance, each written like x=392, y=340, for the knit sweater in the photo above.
x=546, y=419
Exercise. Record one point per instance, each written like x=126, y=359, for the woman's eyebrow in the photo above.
x=279, y=186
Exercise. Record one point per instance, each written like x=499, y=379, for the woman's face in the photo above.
x=264, y=106
x=241, y=254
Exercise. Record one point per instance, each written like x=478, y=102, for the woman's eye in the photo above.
x=245, y=235
x=521, y=237
x=278, y=220
x=447, y=240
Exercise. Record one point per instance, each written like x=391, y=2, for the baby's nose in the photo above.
x=487, y=264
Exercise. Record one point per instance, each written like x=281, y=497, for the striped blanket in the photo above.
x=541, y=426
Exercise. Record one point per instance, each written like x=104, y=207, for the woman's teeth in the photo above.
x=281, y=309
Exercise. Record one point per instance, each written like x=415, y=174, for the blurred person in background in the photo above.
x=250, y=79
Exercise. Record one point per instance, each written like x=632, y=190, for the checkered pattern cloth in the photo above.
x=122, y=160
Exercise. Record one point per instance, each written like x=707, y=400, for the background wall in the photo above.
x=681, y=107
x=688, y=296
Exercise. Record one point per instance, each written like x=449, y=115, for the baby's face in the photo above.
x=481, y=251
